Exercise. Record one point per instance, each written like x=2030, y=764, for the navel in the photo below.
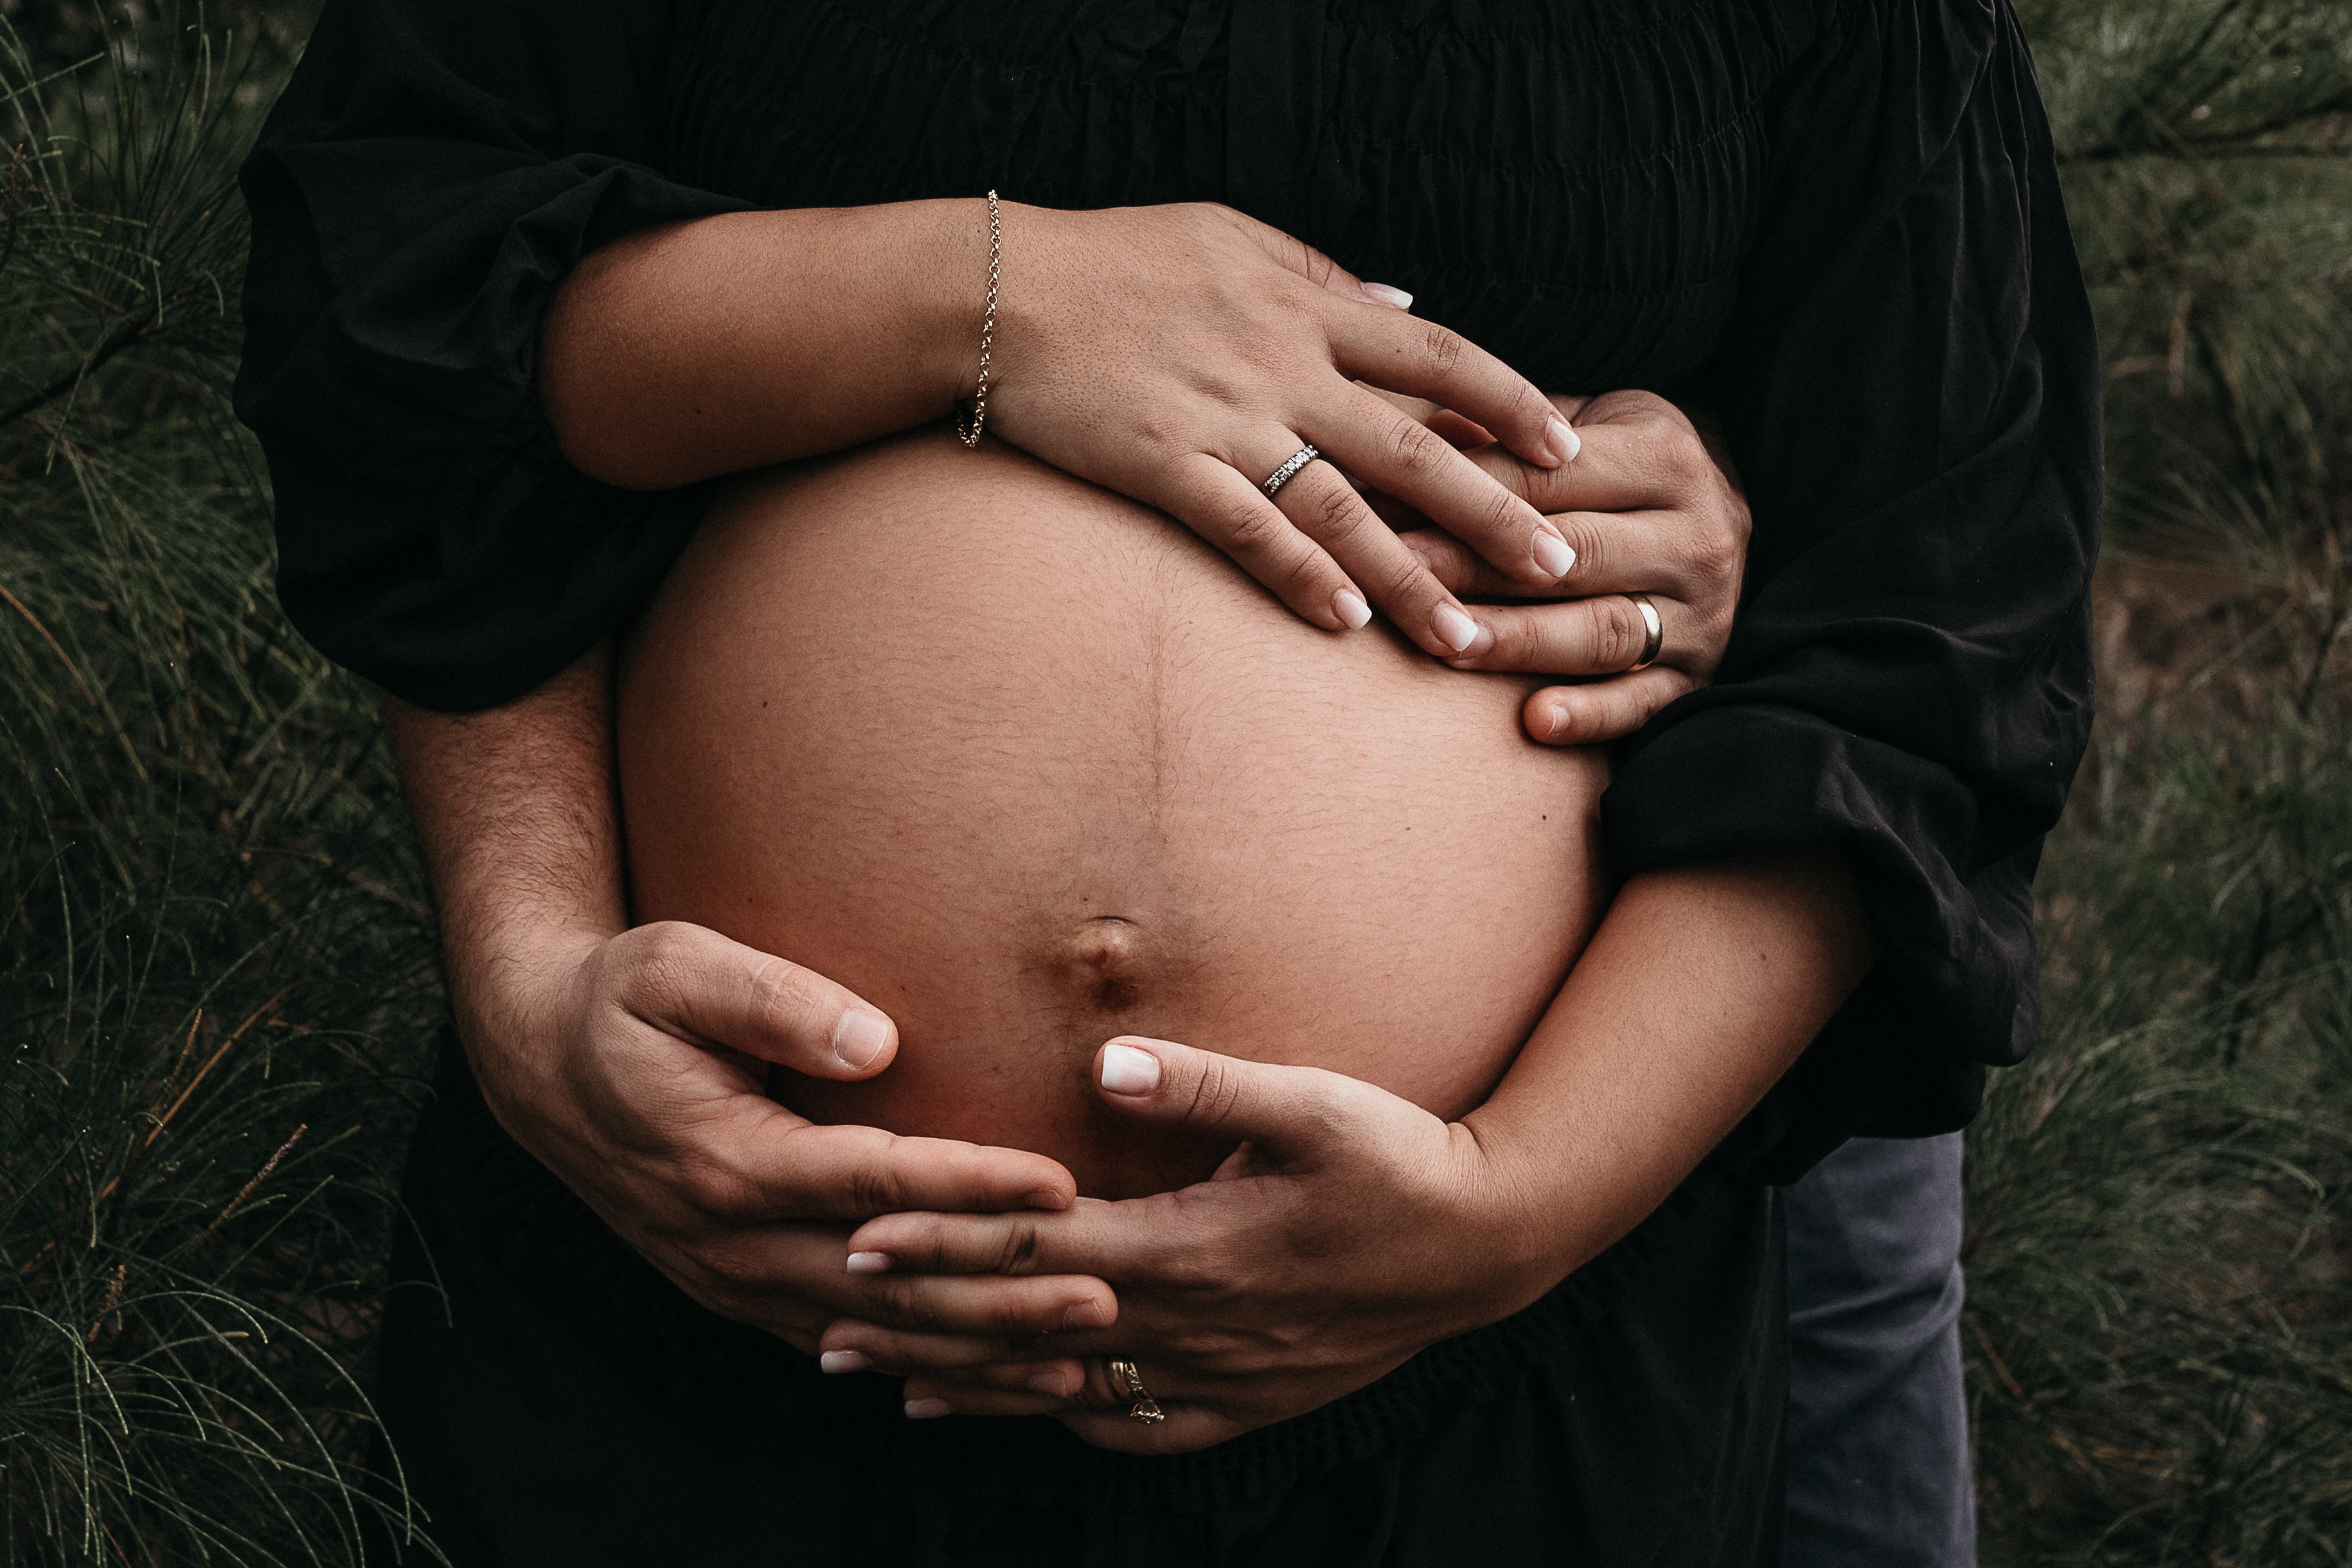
x=1104, y=962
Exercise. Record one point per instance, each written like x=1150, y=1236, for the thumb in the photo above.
x=691, y=981
x=1283, y=1111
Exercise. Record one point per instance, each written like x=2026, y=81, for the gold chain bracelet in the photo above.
x=968, y=430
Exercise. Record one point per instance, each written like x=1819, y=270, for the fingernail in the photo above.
x=1050, y=1383
x=1386, y=294
x=1554, y=555
x=869, y=1263
x=1455, y=629
x=1082, y=1315
x=859, y=1037
x=1126, y=1071
x=1556, y=726
x=1349, y=607
x=928, y=1409
x=1561, y=440
x=841, y=1361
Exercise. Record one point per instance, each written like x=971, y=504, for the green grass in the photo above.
x=216, y=974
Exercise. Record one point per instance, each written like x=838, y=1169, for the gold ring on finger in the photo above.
x=1142, y=1409
x=1650, y=624
x=1289, y=470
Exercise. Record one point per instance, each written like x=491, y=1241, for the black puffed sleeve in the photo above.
x=1910, y=387
x=432, y=171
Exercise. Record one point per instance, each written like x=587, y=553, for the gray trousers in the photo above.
x=1878, y=1421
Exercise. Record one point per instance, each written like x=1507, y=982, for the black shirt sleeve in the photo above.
x=1911, y=390
x=432, y=171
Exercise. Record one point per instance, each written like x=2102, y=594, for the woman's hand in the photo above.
x=612, y=1073
x=1651, y=505
x=1177, y=354
x=1431, y=1240
x=1180, y=355
x=1351, y=1228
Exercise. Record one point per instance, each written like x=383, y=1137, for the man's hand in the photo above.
x=639, y=1078
x=1225, y=1342
x=633, y=1063
x=1650, y=505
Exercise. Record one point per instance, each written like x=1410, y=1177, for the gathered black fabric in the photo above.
x=556, y=1401
x=1837, y=220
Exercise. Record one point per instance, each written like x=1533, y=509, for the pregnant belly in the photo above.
x=1028, y=766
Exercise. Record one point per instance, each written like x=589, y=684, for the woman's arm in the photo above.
x=1701, y=986
x=1175, y=354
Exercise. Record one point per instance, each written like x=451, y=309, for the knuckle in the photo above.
x=780, y=986
x=1215, y=1093
x=1333, y=511
x=1405, y=583
x=1503, y=511
x=710, y=1187
x=1517, y=644
x=1416, y=449
x=1017, y=1252
x=896, y=1303
x=1443, y=347
x=871, y=1185
x=662, y=962
x=1679, y=445
x=1252, y=529
x=1590, y=546
x=1619, y=633
x=1013, y=1319
x=1442, y=556
x=1717, y=555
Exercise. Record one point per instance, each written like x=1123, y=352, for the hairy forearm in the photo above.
x=515, y=813
x=1701, y=987
x=730, y=342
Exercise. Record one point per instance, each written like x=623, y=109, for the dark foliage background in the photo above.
x=216, y=980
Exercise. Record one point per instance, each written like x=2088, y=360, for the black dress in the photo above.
x=1837, y=220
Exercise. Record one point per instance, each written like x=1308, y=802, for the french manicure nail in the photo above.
x=928, y=1409
x=1455, y=629
x=841, y=1361
x=1561, y=440
x=1554, y=555
x=869, y=1263
x=1126, y=1071
x=1349, y=607
x=1388, y=294
x=859, y=1037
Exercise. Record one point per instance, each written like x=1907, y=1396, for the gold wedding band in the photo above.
x=1657, y=638
x=1129, y=1384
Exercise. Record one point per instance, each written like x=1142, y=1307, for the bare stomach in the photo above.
x=1028, y=766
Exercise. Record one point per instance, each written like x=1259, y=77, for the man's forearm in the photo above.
x=515, y=812
x=1701, y=988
